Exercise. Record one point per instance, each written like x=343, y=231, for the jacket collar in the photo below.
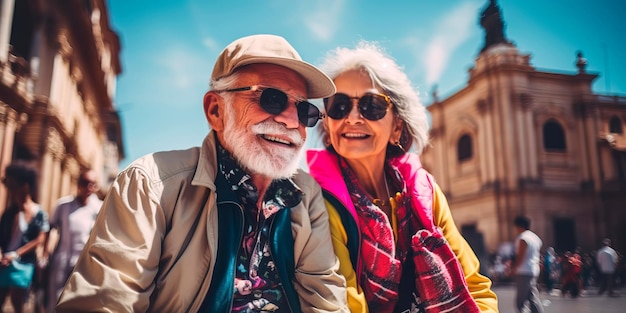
x=206, y=169
x=324, y=167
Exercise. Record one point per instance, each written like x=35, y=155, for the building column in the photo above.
x=70, y=173
x=591, y=146
x=521, y=104
x=481, y=142
x=436, y=142
x=6, y=19
x=51, y=169
x=10, y=123
x=531, y=137
x=485, y=107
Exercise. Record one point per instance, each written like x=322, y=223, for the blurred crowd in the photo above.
x=569, y=272
x=38, y=251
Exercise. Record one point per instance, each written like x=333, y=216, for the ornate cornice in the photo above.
x=71, y=165
x=55, y=144
x=65, y=48
x=9, y=115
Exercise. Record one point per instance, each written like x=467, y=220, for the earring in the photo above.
x=397, y=144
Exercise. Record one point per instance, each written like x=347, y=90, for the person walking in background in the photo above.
x=607, y=263
x=73, y=219
x=23, y=228
x=392, y=229
x=550, y=269
x=526, y=266
x=571, y=282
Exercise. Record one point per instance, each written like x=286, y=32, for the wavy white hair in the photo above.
x=388, y=76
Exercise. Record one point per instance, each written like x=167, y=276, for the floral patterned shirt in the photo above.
x=258, y=287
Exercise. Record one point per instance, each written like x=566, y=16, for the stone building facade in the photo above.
x=59, y=61
x=518, y=141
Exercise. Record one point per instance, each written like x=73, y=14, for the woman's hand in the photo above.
x=8, y=257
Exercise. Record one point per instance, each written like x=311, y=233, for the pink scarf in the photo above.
x=439, y=277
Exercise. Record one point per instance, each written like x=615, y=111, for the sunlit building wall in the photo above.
x=59, y=60
x=517, y=140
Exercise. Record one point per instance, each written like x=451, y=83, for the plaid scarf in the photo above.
x=439, y=276
x=381, y=272
x=439, y=279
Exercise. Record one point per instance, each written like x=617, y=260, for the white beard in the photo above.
x=258, y=158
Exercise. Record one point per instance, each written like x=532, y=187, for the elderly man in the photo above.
x=231, y=226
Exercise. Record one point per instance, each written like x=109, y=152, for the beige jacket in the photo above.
x=128, y=264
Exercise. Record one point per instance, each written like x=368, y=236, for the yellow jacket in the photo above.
x=479, y=285
x=324, y=168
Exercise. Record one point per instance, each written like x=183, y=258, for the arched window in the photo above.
x=615, y=125
x=464, y=148
x=553, y=136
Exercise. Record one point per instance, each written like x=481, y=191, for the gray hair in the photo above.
x=224, y=83
x=387, y=75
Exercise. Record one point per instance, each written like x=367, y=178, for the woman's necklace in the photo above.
x=388, y=207
x=384, y=203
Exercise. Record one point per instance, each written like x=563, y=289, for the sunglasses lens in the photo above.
x=308, y=113
x=373, y=107
x=339, y=107
x=273, y=101
x=85, y=183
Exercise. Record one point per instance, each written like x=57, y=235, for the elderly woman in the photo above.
x=392, y=230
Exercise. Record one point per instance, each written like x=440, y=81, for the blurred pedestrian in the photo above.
x=571, y=277
x=526, y=266
x=607, y=262
x=550, y=269
x=23, y=228
x=73, y=219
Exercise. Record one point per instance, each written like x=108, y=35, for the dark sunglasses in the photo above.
x=86, y=183
x=275, y=101
x=372, y=106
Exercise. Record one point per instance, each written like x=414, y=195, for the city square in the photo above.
x=588, y=302
x=99, y=103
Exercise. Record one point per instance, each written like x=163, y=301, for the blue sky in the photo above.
x=169, y=47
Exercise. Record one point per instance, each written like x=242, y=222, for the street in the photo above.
x=589, y=301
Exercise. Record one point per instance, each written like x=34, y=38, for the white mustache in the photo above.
x=269, y=127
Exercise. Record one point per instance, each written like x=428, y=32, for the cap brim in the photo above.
x=319, y=85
